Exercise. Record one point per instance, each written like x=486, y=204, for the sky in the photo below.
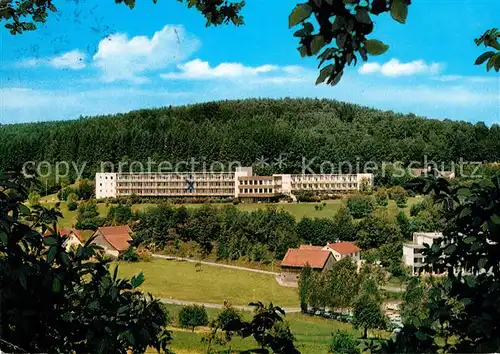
x=97, y=57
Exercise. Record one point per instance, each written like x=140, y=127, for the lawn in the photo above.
x=181, y=280
x=312, y=334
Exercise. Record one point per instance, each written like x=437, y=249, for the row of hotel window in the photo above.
x=325, y=186
x=256, y=190
x=174, y=184
x=214, y=191
x=176, y=177
x=250, y=182
x=314, y=178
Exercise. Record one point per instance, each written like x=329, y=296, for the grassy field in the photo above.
x=297, y=210
x=312, y=333
x=181, y=280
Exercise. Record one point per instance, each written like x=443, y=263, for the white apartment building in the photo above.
x=239, y=184
x=412, y=252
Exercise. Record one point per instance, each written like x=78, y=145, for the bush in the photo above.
x=192, y=316
x=145, y=255
x=34, y=198
x=360, y=206
x=343, y=343
x=399, y=195
x=381, y=197
x=72, y=197
x=72, y=206
x=130, y=255
x=307, y=197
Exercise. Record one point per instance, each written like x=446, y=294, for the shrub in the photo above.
x=381, y=197
x=360, y=206
x=145, y=255
x=307, y=197
x=34, y=198
x=72, y=206
x=72, y=197
x=193, y=316
x=130, y=255
x=343, y=343
x=399, y=195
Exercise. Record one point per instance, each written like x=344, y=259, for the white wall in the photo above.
x=241, y=172
x=408, y=256
x=105, y=185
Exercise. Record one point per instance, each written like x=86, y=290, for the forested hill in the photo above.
x=245, y=130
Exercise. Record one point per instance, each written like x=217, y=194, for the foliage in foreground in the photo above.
x=459, y=313
x=65, y=301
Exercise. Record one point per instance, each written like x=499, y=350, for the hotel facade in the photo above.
x=239, y=184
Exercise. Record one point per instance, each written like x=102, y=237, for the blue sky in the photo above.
x=96, y=57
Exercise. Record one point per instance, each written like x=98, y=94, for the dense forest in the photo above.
x=245, y=131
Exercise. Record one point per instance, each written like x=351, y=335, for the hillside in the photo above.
x=246, y=130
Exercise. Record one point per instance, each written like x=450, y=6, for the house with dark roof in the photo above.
x=341, y=250
x=297, y=258
x=114, y=239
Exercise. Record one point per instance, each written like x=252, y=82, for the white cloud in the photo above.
x=394, y=68
x=123, y=58
x=264, y=74
x=71, y=60
x=201, y=70
x=477, y=79
x=74, y=60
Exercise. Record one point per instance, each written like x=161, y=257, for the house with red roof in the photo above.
x=297, y=258
x=114, y=239
x=73, y=238
x=341, y=250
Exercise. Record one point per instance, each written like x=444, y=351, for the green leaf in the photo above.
x=495, y=219
x=299, y=14
x=490, y=63
x=363, y=16
x=324, y=73
x=465, y=212
x=4, y=238
x=336, y=79
x=421, y=335
x=440, y=341
x=308, y=28
x=466, y=301
x=24, y=209
x=375, y=47
x=482, y=263
x=49, y=241
x=483, y=57
x=51, y=255
x=317, y=43
x=464, y=192
x=469, y=240
x=56, y=285
x=302, y=50
x=450, y=249
x=399, y=10
x=137, y=280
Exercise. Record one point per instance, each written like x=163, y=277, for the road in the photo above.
x=161, y=256
x=220, y=306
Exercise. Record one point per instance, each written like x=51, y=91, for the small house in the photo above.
x=297, y=258
x=73, y=238
x=341, y=250
x=113, y=239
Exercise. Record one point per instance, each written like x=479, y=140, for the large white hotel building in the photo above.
x=239, y=184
